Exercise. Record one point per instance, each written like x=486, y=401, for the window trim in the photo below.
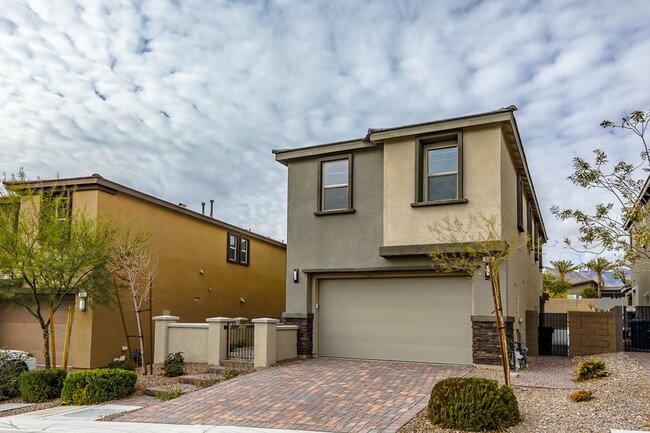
x=321, y=196
x=423, y=144
x=228, y=249
x=530, y=241
x=248, y=251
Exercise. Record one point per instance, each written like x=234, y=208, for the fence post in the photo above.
x=217, y=335
x=162, y=336
x=265, y=342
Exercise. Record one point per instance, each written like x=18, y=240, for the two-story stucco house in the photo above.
x=360, y=283
x=206, y=268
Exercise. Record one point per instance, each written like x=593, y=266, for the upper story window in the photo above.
x=440, y=170
x=57, y=205
x=233, y=248
x=238, y=249
x=335, y=180
x=441, y=181
x=244, y=251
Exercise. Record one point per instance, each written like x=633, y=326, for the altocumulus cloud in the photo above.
x=185, y=99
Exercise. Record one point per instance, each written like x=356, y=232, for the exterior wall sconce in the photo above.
x=82, y=301
x=487, y=268
x=296, y=275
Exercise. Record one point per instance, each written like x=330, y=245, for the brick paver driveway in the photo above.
x=320, y=394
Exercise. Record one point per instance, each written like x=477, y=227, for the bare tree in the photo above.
x=477, y=244
x=134, y=267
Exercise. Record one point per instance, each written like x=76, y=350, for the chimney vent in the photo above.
x=202, y=208
x=211, y=208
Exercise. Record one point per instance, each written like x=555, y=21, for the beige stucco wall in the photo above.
x=191, y=339
x=286, y=342
x=406, y=225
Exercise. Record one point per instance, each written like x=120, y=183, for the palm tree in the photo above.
x=599, y=265
x=564, y=267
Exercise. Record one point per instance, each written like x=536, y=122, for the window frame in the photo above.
x=423, y=145
x=236, y=249
x=243, y=240
x=520, y=204
x=530, y=232
x=321, y=187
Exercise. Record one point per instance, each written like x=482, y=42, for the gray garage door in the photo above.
x=404, y=319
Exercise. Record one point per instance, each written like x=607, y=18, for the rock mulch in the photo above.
x=621, y=400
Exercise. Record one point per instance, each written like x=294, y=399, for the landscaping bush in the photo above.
x=10, y=371
x=173, y=365
x=474, y=404
x=590, y=369
x=97, y=386
x=41, y=385
x=122, y=364
x=582, y=395
x=170, y=393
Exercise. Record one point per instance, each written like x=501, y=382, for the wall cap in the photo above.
x=189, y=325
x=298, y=315
x=218, y=320
x=165, y=318
x=265, y=320
x=287, y=327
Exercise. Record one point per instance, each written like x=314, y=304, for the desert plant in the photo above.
x=39, y=386
x=122, y=364
x=171, y=392
x=97, y=386
x=173, y=365
x=582, y=395
x=237, y=368
x=474, y=404
x=11, y=368
x=590, y=369
x=209, y=381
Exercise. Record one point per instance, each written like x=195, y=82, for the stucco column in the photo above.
x=161, y=332
x=217, y=339
x=265, y=342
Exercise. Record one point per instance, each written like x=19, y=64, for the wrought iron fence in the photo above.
x=553, y=334
x=240, y=340
x=636, y=329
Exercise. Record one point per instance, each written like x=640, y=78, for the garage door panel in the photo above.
x=406, y=319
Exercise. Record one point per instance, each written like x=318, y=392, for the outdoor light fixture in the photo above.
x=295, y=275
x=487, y=268
x=82, y=301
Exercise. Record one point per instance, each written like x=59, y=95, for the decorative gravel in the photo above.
x=621, y=400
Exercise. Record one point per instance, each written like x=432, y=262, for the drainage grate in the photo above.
x=93, y=413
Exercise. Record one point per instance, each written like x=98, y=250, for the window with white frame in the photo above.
x=335, y=193
x=244, y=251
x=441, y=171
x=233, y=248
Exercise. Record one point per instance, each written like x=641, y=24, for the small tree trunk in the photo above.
x=141, y=340
x=68, y=332
x=46, y=345
x=498, y=312
x=52, y=337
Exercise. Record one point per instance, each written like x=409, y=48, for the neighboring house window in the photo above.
x=57, y=205
x=520, y=204
x=335, y=185
x=233, y=248
x=244, y=251
x=529, y=215
x=439, y=177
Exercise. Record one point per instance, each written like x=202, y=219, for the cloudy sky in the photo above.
x=185, y=99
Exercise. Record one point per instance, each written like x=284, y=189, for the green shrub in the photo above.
x=474, y=404
x=39, y=386
x=10, y=371
x=590, y=369
x=122, y=364
x=97, y=386
x=173, y=365
x=208, y=381
x=170, y=393
x=582, y=395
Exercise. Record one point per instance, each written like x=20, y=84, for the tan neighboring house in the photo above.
x=206, y=268
x=360, y=283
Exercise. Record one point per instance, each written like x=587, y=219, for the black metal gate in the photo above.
x=240, y=340
x=553, y=334
x=636, y=329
